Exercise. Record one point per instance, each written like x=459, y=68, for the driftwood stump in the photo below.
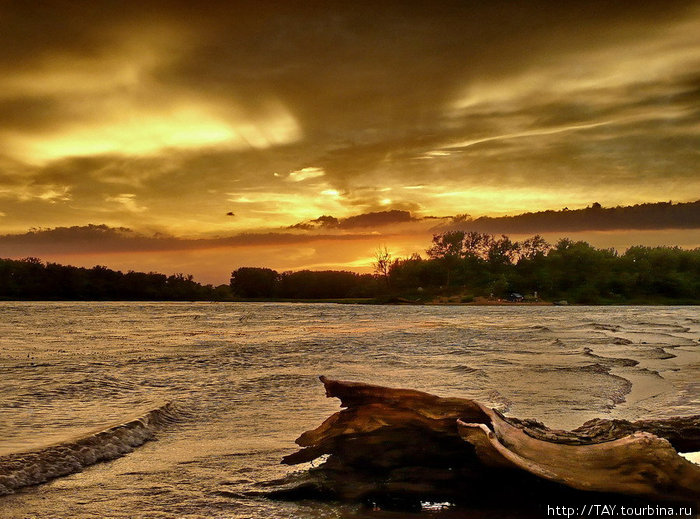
x=398, y=447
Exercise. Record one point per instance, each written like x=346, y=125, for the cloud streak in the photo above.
x=368, y=226
x=105, y=239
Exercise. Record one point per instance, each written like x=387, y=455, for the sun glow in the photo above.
x=115, y=104
x=147, y=133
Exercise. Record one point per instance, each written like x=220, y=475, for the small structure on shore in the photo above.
x=396, y=448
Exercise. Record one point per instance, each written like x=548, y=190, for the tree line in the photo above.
x=254, y=282
x=458, y=263
x=473, y=264
x=32, y=279
x=480, y=264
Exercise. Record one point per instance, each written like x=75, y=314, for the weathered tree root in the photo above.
x=400, y=447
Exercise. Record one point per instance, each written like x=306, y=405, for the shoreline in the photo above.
x=393, y=301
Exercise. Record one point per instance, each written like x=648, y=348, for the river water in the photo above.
x=225, y=388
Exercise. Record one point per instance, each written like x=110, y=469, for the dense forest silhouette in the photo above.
x=472, y=264
x=30, y=278
x=458, y=263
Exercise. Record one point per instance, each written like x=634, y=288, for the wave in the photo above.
x=669, y=326
x=610, y=361
x=463, y=368
x=22, y=469
x=541, y=328
x=607, y=327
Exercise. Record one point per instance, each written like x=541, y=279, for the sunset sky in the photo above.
x=200, y=121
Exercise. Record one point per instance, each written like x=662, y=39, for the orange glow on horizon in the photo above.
x=214, y=265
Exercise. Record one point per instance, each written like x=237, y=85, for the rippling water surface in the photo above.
x=226, y=388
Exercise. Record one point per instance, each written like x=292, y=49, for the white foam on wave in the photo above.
x=21, y=469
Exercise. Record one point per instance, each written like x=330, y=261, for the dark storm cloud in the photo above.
x=103, y=238
x=662, y=215
x=366, y=220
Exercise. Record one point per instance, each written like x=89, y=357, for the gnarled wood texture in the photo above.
x=638, y=464
x=402, y=445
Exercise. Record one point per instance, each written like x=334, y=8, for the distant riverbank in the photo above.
x=387, y=300
x=461, y=268
x=459, y=300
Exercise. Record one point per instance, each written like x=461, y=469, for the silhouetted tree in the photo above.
x=447, y=249
x=382, y=263
x=535, y=247
x=254, y=282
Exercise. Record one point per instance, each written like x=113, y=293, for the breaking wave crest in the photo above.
x=21, y=469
